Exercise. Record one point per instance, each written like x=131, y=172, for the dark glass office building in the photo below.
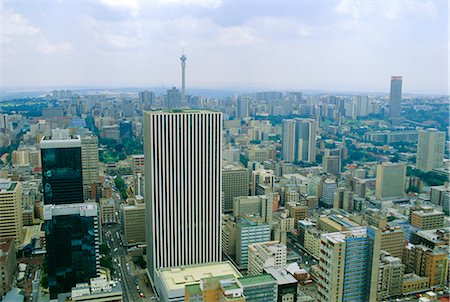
x=71, y=233
x=62, y=180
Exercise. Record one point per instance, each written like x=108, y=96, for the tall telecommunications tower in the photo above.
x=183, y=75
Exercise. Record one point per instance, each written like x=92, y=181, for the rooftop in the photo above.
x=7, y=185
x=254, y=280
x=177, y=278
x=281, y=275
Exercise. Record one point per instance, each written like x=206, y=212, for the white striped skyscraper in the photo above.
x=183, y=154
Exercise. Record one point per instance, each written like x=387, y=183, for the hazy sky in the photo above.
x=332, y=45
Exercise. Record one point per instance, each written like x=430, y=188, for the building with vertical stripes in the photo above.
x=183, y=187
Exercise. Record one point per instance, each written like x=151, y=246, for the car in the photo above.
x=141, y=295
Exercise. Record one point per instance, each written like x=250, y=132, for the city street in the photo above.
x=131, y=277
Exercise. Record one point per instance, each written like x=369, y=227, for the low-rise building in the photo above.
x=100, y=290
x=413, y=283
x=427, y=218
x=259, y=288
x=170, y=283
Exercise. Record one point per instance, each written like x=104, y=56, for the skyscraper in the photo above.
x=61, y=168
x=390, y=182
x=430, y=149
x=288, y=140
x=306, y=140
x=183, y=187
x=395, y=98
x=71, y=235
x=299, y=140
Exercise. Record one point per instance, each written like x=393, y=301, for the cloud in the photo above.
x=19, y=35
x=348, y=7
x=131, y=5
x=389, y=10
x=15, y=25
x=201, y=3
x=47, y=48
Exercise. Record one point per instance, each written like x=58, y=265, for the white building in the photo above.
x=266, y=254
x=183, y=187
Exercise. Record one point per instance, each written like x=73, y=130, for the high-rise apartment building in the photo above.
x=11, y=223
x=266, y=254
x=234, y=184
x=430, y=149
x=89, y=165
x=242, y=107
x=395, y=98
x=62, y=180
x=72, y=243
x=183, y=187
x=299, y=140
x=390, y=182
x=348, y=266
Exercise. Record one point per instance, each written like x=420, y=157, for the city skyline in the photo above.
x=116, y=43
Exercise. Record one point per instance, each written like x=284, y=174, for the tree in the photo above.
x=104, y=249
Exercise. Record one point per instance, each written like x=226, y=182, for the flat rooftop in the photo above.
x=254, y=280
x=178, y=277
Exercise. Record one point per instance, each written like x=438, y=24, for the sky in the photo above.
x=341, y=45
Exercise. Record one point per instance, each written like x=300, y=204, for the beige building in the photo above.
x=107, y=211
x=11, y=224
x=133, y=221
x=8, y=264
x=427, y=218
x=312, y=242
x=171, y=282
x=297, y=212
x=260, y=154
x=26, y=155
x=393, y=241
x=261, y=177
x=390, y=182
x=431, y=263
x=89, y=164
x=266, y=254
x=234, y=184
x=430, y=149
x=259, y=206
x=413, y=283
